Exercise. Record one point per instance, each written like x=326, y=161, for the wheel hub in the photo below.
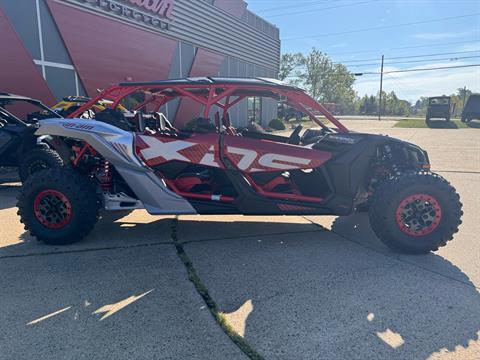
x=418, y=214
x=52, y=209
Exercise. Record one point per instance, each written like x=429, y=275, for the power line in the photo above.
x=321, y=9
x=409, y=70
x=406, y=61
x=433, y=45
x=383, y=27
x=425, y=69
x=437, y=54
x=411, y=56
x=401, y=82
x=415, y=61
x=404, y=47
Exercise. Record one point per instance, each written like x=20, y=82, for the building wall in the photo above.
x=78, y=46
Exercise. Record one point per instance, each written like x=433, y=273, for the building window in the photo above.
x=255, y=109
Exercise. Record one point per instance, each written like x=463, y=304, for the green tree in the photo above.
x=420, y=107
x=463, y=93
x=289, y=65
x=326, y=82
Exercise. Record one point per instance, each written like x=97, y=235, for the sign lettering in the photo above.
x=162, y=8
x=158, y=16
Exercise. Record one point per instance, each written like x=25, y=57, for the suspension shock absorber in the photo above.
x=105, y=176
x=396, y=169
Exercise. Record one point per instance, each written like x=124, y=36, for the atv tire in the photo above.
x=415, y=213
x=36, y=160
x=58, y=206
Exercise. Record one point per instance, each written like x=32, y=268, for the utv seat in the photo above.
x=228, y=125
x=164, y=125
x=114, y=117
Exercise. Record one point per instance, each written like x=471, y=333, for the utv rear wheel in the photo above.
x=58, y=206
x=38, y=159
x=415, y=213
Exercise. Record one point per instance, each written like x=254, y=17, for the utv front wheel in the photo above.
x=415, y=213
x=36, y=160
x=58, y=206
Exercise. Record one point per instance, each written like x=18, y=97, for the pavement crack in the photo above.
x=62, y=252
x=404, y=261
x=252, y=236
x=202, y=290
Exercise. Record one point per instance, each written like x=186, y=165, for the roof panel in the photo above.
x=214, y=80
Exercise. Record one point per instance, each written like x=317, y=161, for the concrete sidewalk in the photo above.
x=121, y=294
x=319, y=295
x=292, y=288
x=343, y=294
x=116, y=304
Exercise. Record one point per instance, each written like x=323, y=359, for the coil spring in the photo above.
x=105, y=176
x=393, y=164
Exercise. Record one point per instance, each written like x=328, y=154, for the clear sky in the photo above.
x=353, y=30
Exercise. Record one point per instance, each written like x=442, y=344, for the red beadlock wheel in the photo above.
x=52, y=209
x=418, y=214
x=58, y=206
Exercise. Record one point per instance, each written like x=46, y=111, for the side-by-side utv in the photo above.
x=137, y=160
x=19, y=146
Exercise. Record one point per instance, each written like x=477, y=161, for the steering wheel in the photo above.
x=295, y=137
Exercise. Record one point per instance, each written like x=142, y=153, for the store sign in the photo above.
x=152, y=13
x=161, y=8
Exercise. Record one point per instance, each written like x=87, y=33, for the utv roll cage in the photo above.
x=7, y=99
x=223, y=93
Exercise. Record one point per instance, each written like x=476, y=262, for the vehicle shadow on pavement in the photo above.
x=441, y=124
x=318, y=295
x=474, y=124
x=111, y=232
x=8, y=195
x=296, y=291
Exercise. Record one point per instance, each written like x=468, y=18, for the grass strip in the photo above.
x=434, y=124
x=212, y=306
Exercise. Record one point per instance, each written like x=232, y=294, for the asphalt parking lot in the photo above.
x=292, y=287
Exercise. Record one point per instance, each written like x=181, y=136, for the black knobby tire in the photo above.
x=38, y=159
x=66, y=184
x=388, y=224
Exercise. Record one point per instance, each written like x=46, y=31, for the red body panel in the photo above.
x=197, y=149
x=248, y=155
x=256, y=155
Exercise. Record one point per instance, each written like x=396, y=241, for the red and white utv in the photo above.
x=140, y=160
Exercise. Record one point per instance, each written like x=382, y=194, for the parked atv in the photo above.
x=471, y=110
x=71, y=103
x=19, y=146
x=144, y=161
x=439, y=107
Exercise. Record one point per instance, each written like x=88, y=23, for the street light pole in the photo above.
x=381, y=90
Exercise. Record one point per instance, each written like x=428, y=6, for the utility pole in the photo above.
x=464, y=96
x=381, y=90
